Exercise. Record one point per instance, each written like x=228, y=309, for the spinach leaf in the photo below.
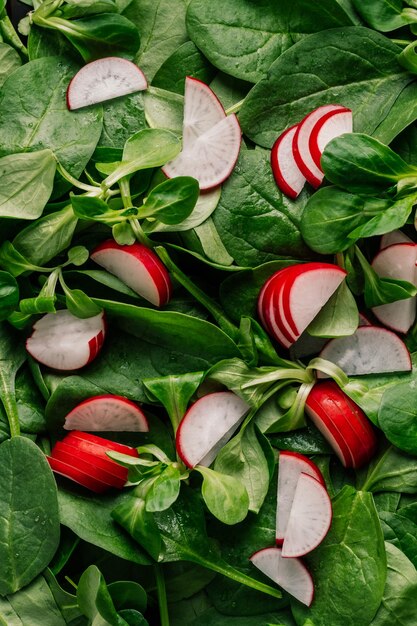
x=349, y=567
x=128, y=595
x=164, y=109
x=225, y=495
x=383, y=15
x=122, y=117
x=66, y=602
x=94, y=599
x=28, y=500
x=34, y=605
x=230, y=91
x=44, y=42
x=9, y=61
x=12, y=356
x=392, y=470
x=30, y=407
x=172, y=201
x=306, y=440
x=397, y=604
x=162, y=30
x=397, y=416
x=9, y=294
x=211, y=243
x=34, y=115
x=401, y=532
x=355, y=66
x=255, y=221
x=211, y=617
x=243, y=40
x=27, y=181
x=187, y=60
x=339, y=316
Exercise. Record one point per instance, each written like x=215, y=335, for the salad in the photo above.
x=208, y=297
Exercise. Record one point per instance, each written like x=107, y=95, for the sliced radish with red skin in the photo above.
x=87, y=480
x=107, y=412
x=370, y=350
x=395, y=236
x=301, y=143
x=287, y=174
x=398, y=261
x=331, y=125
x=342, y=422
x=90, y=456
x=102, y=80
x=270, y=302
x=290, y=574
x=310, y=517
x=97, y=445
x=138, y=267
x=202, y=110
x=86, y=463
x=207, y=425
x=211, y=157
x=65, y=342
x=290, y=467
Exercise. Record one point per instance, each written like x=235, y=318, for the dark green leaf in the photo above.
x=392, y=470
x=9, y=294
x=187, y=60
x=401, y=532
x=127, y=594
x=171, y=202
x=132, y=515
x=397, y=416
x=383, y=15
x=34, y=605
x=95, y=600
x=122, y=118
x=9, y=61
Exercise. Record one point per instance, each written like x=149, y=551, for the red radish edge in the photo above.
x=314, y=148
x=281, y=176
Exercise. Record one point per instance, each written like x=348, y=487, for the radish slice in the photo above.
x=310, y=517
x=370, y=350
x=270, y=311
x=290, y=467
x=138, y=267
x=89, y=464
x=107, y=412
x=210, y=157
x=98, y=446
x=86, y=479
x=208, y=425
x=301, y=143
x=65, y=342
x=290, y=574
x=287, y=174
x=329, y=126
x=103, y=80
x=202, y=110
x=395, y=236
x=397, y=260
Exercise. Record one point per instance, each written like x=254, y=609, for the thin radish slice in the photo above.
x=270, y=310
x=97, y=445
x=104, y=463
x=290, y=574
x=397, y=260
x=107, y=412
x=370, y=350
x=310, y=517
x=207, y=425
x=290, y=467
x=202, y=110
x=211, y=157
x=88, y=464
x=103, y=80
x=301, y=143
x=395, y=236
x=138, y=267
x=86, y=479
x=287, y=174
x=331, y=125
x=65, y=342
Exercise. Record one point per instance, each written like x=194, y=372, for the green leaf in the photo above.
x=383, y=15
x=164, y=109
x=122, y=117
x=349, y=567
x=171, y=202
x=164, y=489
x=124, y=236
x=9, y=61
x=225, y=496
x=132, y=515
x=79, y=304
x=397, y=416
x=243, y=40
x=27, y=181
x=392, y=470
x=78, y=255
x=28, y=499
x=339, y=316
x=9, y=294
x=12, y=357
x=66, y=602
x=187, y=60
x=34, y=605
x=127, y=594
x=95, y=600
x=401, y=531
x=394, y=216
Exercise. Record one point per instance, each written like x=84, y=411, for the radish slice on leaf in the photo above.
x=370, y=350
x=107, y=412
x=290, y=574
x=329, y=126
x=208, y=425
x=287, y=174
x=103, y=80
x=202, y=109
x=65, y=342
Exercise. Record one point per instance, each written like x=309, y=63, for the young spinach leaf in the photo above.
x=9, y=61
x=397, y=416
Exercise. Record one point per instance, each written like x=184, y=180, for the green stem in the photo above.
x=139, y=234
x=77, y=183
x=10, y=35
x=124, y=184
x=10, y=406
x=235, y=108
x=239, y=577
x=162, y=595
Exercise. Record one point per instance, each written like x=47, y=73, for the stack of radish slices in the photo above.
x=211, y=139
x=304, y=515
x=82, y=457
x=107, y=412
x=292, y=297
x=296, y=154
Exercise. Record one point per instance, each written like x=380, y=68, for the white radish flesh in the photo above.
x=103, y=80
x=202, y=110
x=106, y=413
x=310, y=517
x=206, y=424
x=65, y=342
x=370, y=350
x=331, y=125
x=287, y=174
x=290, y=574
x=395, y=236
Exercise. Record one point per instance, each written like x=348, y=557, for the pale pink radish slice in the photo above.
x=395, y=236
x=290, y=574
x=103, y=80
x=202, y=110
x=207, y=425
x=287, y=174
x=306, y=291
x=397, y=260
x=210, y=157
x=65, y=342
x=290, y=467
x=106, y=412
x=301, y=143
x=138, y=267
x=370, y=350
x=342, y=423
x=310, y=517
x=331, y=125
